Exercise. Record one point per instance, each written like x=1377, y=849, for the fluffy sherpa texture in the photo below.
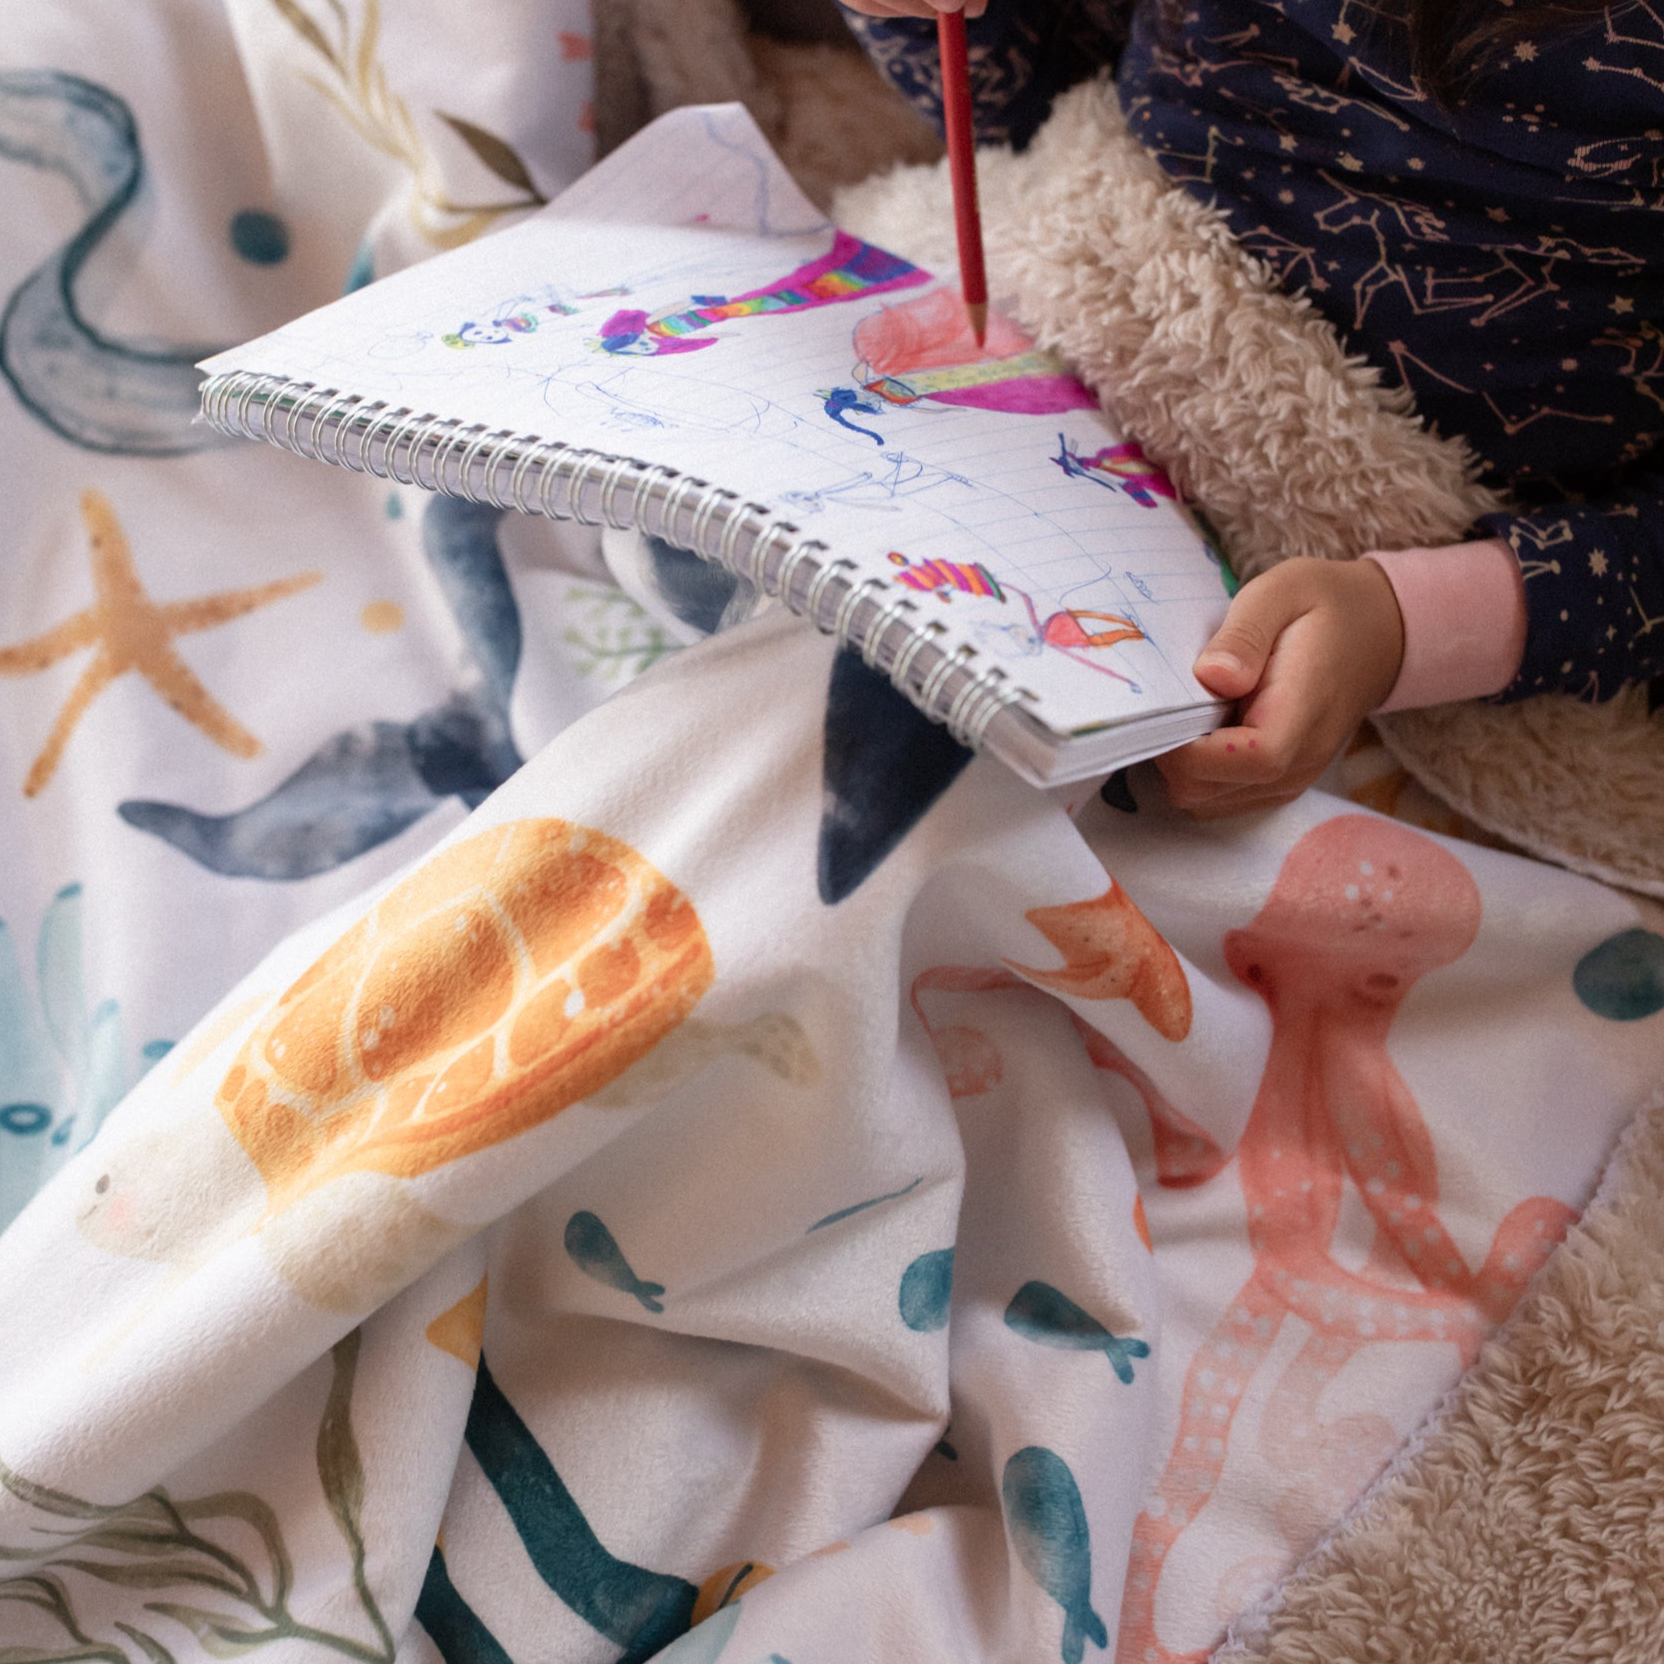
x=1527, y=1526
x=828, y=113
x=1290, y=446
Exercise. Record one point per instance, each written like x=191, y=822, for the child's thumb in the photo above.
x=1234, y=660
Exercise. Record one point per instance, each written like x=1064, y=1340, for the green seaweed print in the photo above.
x=613, y=639
x=356, y=84
x=186, y=1564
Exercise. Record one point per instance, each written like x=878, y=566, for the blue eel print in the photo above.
x=1046, y=1521
x=125, y=398
x=639, y=1610
x=593, y=1249
x=367, y=784
x=1041, y=1313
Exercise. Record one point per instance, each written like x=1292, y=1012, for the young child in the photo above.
x=1475, y=199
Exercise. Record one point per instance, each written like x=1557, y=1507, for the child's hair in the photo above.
x=1454, y=41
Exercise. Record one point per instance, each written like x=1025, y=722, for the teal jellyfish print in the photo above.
x=1623, y=978
x=1046, y=1521
x=1039, y=1312
x=926, y=1289
x=592, y=1248
x=63, y=1067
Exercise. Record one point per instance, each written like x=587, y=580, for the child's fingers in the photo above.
x=1232, y=663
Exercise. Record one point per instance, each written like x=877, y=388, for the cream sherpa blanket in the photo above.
x=1528, y=1522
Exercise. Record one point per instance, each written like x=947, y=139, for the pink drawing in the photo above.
x=1123, y=468
x=1071, y=631
x=971, y=1062
x=924, y=349
x=849, y=270
x=1361, y=910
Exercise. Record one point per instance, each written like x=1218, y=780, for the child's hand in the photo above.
x=1307, y=650
x=916, y=8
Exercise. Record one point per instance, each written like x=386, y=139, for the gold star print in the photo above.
x=1622, y=303
x=129, y=631
x=1597, y=562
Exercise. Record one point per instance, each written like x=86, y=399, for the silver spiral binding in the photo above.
x=553, y=479
x=830, y=572
x=921, y=637
x=872, y=644
x=843, y=621
x=935, y=684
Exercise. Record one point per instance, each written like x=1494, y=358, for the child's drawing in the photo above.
x=905, y=476
x=1071, y=630
x=1123, y=468
x=849, y=270
x=924, y=349
x=520, y=316
x=839, y=401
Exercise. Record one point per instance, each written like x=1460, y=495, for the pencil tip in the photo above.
x=979, y=320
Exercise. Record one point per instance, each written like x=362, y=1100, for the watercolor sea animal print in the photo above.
x=576, y=958
x=128, y=630
x=1362, y=909
x=128, y=398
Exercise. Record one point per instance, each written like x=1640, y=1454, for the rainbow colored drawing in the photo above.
x=939, y=577
x=924, y=349
x=849, y=270
x=1073, y=631
x=1123, y=468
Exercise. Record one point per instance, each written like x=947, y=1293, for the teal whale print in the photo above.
x=1046, y=1522
x=926, y=1289
x=636, y=1609
x=593, y=1250
x=1038, y=1312
x=126, y=397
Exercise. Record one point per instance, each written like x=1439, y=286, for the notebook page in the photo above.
x=684, y=304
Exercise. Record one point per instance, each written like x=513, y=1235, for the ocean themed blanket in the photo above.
x=751, y=1195
x=750, y=1183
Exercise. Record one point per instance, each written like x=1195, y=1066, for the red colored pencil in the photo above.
x=956, y=119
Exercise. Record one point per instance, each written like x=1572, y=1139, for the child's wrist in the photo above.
x=1463, y=608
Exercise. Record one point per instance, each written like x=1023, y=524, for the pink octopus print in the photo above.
x=1361, y=910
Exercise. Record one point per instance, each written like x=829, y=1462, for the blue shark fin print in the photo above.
x=452, y=1624
x=593, y=1249
x=639, y=1610
x=1046, y=1521
x=356, y=791
x=95, y=391
x=885, y=764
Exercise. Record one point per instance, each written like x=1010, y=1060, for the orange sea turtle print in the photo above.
x=506, y=978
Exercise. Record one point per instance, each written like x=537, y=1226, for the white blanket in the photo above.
x=756, y=1173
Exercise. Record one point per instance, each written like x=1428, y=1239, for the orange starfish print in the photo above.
x=132, y=632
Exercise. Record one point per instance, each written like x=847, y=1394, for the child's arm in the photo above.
x=1311, y=647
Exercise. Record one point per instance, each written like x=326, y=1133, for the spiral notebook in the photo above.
x=682, y=344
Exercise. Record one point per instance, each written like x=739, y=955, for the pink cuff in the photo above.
x=1464, y=621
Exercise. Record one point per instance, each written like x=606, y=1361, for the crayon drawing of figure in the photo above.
x=1123, y=468
x=1074, y=631
x=924, y=349
x=849, y=270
